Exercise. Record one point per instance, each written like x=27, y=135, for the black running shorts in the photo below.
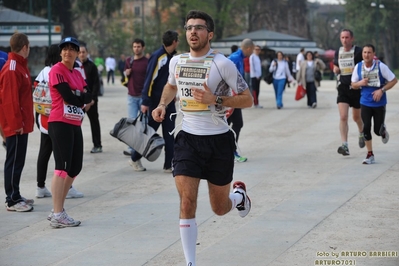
x=349, y=96
x=206, y=157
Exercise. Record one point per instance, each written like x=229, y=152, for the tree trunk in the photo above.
x=65, y=17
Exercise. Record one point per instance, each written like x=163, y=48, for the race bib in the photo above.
x=73, y=112
x=346, y=61
x=184, y=85
x=192, y=74
x=372, y=75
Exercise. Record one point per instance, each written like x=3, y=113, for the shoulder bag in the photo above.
x=126, y=80
x=42, y=98
x=269, y=76
x=140, y=136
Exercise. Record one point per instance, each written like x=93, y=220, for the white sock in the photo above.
x=188, y=235
x=236, y=199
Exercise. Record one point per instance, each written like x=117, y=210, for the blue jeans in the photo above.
x=278, y=85
x=111, y=74
x=311, y=93
x=133, y=106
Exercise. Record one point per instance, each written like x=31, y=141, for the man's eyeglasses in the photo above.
x=196, y=27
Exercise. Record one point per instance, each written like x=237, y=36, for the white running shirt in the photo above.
x=223, y=77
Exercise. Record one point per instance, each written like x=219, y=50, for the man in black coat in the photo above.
x=93, y=83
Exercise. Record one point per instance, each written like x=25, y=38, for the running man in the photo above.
x=204, y=148
x=345, y=60
x=374, y=79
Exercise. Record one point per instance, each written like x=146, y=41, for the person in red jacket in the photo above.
x=16, y=119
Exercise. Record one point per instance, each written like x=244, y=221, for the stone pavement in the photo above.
x=310, y=205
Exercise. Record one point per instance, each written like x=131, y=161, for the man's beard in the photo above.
x=199, y=46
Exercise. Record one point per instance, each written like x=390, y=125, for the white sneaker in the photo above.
x=137, y=166
x=369, y=159
x=64, y=220
x=245, y=206
x=20, y=207
x=73, y=193
x=42, y=192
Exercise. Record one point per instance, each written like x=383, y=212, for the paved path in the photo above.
x=309, y=202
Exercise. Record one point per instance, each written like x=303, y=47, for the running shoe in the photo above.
x=21, y=206
x=96, y=150
x=384, y=134
x=52, y=214
x=63, y=221
x=240, y=159
x=362, y=142
x=245, y=206
x=73, y=193
x=369, y=159
x=42, y=192
x=137, y=166
x=344, y=150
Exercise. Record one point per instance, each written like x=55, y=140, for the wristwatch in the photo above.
x=383, y=90
x=219, y=100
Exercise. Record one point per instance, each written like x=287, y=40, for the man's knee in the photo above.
x=220, y=210
x=344, y=118
x=188, y=207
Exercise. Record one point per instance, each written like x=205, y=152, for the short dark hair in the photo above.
x=302, y=49
x=140, y=41
x=370, y=46
x=53, y=55
x=202, y=15
x=84, y=46
x=169, y=37
x=234, y=48
x=347, y=30
x=18, y=41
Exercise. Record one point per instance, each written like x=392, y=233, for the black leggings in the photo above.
x=378, y=115
x=255, y=82
x=238, y=123
x=45, y=150
x=67, y=142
